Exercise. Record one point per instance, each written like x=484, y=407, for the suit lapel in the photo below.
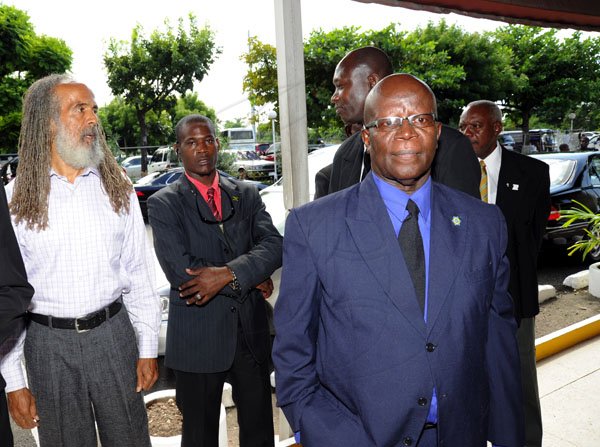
x=512, y=181
x=449, y=228
x=374, y=237
x=352, y=161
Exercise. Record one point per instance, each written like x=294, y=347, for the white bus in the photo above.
x=240, y=137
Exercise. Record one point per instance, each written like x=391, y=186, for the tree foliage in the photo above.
x=530, y=70
x=122, y=128
x=487, y=73
x=552, y=77
x=148, y=72
x=25, y=57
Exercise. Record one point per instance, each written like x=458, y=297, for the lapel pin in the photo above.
x=456, y=221
x=515, y=187
x=235, y=198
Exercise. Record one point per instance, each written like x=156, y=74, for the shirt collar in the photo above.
x=493, y=161
x=201, y=187
x=396, y=199
x=85, y=173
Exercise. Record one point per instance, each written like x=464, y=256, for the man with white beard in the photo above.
x=92, y=339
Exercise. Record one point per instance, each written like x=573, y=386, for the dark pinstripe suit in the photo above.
x=15, y=295
x=204, y=339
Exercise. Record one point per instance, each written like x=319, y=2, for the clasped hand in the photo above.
x=208, y=281
x=205, y=284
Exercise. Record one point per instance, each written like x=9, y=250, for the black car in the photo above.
x=574, y=176
x=148, y=185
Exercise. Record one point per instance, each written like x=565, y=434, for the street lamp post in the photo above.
x=273, y=117
x=572, y=116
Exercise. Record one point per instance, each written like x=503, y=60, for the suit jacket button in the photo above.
x=407, y=441
x=233, y=309
x=422, y=401
x=430, y=347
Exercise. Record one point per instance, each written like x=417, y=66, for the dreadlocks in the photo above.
x=41, y=108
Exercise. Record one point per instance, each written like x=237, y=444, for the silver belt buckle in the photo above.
x=79, y=331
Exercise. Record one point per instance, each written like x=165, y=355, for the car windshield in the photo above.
x=561, y=170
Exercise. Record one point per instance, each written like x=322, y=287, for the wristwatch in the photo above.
x=234, y=284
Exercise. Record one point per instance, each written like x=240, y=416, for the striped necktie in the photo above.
x=483, y=184
x=212, y=204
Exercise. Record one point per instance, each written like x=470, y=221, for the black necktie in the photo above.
x=411, y=245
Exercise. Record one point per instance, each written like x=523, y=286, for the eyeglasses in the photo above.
x=215, y=221
x=390, y=123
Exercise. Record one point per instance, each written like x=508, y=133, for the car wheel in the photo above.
x=594, y=254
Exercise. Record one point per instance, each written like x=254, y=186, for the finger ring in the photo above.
x=198, y=297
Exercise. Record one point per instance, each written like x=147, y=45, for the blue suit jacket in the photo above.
x=355, y=362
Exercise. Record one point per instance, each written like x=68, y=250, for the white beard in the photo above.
x=75, y=153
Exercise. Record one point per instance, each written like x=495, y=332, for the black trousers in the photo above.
x=199, y=400
x=6, y=436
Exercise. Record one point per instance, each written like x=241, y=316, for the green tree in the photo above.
x=190, y=104
x=260, y=82
x=486, y=65
x=149, y=71
x=552, y=77
x=122, y=127
x=25, y=57
x=577, y=89
x=323, y=50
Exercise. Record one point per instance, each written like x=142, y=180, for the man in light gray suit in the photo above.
x=218, y=247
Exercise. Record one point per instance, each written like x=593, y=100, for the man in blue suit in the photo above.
x=394, y=324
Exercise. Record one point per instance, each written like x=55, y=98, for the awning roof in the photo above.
x=577, y=14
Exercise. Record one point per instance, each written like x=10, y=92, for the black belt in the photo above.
x=81, y=324
x=429, y=426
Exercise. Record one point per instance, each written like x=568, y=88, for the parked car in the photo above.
x=133, y=167
x=148, y=185
x=261, y=148
x=594, y=142
x=163, y=158
x=574, y=176
x=251, y=161
x=8, y=168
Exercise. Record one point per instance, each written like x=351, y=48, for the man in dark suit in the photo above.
x=217, y=247
x=15, y=295
x=454, y=164
x=374, y=348
x=520, y=186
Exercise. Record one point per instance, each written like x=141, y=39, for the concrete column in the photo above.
x=292, y=102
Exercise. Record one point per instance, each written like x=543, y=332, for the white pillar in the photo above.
x=292, y=102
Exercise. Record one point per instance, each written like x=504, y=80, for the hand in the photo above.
x=147, y=374
x=207, y=282
x=266, y=287
x=23, y=410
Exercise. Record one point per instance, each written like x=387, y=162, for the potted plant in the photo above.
x=591, y=245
